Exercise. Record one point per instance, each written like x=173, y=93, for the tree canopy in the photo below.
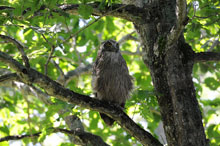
x=42, y=41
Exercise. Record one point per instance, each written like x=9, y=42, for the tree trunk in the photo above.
x=171, y=68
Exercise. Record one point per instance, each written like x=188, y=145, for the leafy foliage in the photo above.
x=36, y=25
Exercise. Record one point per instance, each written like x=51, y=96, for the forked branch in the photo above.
x=19, y=46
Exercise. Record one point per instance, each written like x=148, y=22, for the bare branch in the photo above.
x=78, y=71
x=215, y=43
x=50, y=55
x=86, y=26
x=206, y=56
x=127, y=37
x=62, y=75
x=17, y=137
x=180, y=23
x=8, y=77
x=20, y=48
x=29, y=75
x=6, y=8
x=95, y=20
x=131, y=53
x=84, y=137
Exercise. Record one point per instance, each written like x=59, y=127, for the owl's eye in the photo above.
x=117, y=45
x=107, y=44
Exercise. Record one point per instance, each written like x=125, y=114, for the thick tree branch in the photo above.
x=17, y=137
x=180, y=22
x=128, y=12
x=20, y=48
x=206, y=56
x=31, y=76
x=84, y=137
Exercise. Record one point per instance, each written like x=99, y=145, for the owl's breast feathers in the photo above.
x=111, y=79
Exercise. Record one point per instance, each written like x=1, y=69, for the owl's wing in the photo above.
x=95, y=64
x=94, y=75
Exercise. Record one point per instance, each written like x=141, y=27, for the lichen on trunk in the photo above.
x=171, y=66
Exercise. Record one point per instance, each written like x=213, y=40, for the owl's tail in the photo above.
x=108, y=121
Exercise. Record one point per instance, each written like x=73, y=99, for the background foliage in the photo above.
x=45, y=32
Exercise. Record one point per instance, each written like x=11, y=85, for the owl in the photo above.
x=111, y=81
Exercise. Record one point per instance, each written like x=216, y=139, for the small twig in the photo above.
x=95, y=20
x=127, y=37
x=6, y=7
x=215, y=43
x=204, y=17
x=28, y=113
x=83, y=28
x=80, y=60
x=81, y=69
x=62, y=75
x=20, y=48
x=131, y=53
x=50, y=55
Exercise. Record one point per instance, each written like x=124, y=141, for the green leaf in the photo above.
x=43, y=135
x=85, y=11
x=5, y=130
x=212, y=83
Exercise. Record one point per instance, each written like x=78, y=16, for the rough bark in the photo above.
x=170, y=63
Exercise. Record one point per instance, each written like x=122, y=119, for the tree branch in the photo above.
x=19, y=46
x=84, y=137
x=127, y=37
x=215, y=43
x=128, y=12
x=206, y=56
x=50, y=55
x=17, y=137
x=31, y=76
x=71, y=74
x=181, y=14
x=8, y=77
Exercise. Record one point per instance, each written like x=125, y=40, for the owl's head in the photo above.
x=110, y=46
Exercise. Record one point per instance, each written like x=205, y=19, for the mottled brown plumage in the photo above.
x=111, y=80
